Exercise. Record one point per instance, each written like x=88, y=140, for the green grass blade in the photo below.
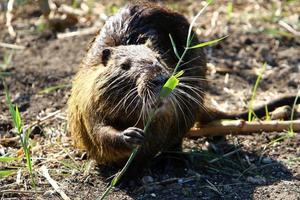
x=8, y=159
x=291, y=132
x=251, y=103
x=174, y=47
x=268, y=118
x=208, y=43
x=7, y=172
x=14, y=111
x=18, y=119
x=53, y=88
x=24, y=137
x=193, y=22
x=170, y=85
x=26, y=148
x=229, y=10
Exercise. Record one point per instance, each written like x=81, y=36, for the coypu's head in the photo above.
x=129, y=78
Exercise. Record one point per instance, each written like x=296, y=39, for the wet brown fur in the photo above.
x=92, y=123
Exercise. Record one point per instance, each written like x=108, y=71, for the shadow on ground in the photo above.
x=223, y=171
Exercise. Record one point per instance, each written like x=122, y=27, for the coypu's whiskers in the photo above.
x=152, y=97
x=144, y=108
x=111, y=98
x=192, y=79
x=185, y=101
x=190, y=97
x=135, y=99
x=173, y=103
x=185, y=63
x=195, y=90
x=112, y=80
x=181, y=109
x=128, y=96
x=140, y=115
x=133, y=96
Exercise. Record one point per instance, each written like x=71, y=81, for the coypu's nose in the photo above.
x=158, y=81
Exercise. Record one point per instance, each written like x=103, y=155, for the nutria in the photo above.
x=119, y=82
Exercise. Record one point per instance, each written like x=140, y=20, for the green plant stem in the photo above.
x=251, y=106
x=291, y=131
x=180, y=60
x=23, y=135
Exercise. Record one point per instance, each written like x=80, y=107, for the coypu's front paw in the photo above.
x=133, y=136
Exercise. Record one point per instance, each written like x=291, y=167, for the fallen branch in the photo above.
x=53, y=183
x=240, y=127
x=87, y=31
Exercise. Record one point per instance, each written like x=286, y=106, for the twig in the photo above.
x=87, y=31
x=236, y=127
x=53, y=183
x=21, y=191
x=288, y=28
x=9, y=17
x=224, y=156
x=9, y=140
x=11, y=46
x=45, y=118
x=70, y=10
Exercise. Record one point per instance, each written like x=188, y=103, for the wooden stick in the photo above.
x=288, y=28
x=21, y=191
x=70, y=10
x=53, y=183
x=241, y=127
x=11, y=46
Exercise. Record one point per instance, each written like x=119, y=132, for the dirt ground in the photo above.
x=244, y=167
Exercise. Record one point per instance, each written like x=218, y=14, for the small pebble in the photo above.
x=49, y=193
x=153, y=195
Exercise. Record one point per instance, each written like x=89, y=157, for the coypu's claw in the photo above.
x=133, y=136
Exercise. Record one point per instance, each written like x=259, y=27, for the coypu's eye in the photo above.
x=105, y=56
x=126, y=65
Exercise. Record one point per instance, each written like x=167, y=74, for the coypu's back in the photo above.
x=134, y=48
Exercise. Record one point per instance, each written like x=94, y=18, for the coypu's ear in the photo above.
x=105, y=56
